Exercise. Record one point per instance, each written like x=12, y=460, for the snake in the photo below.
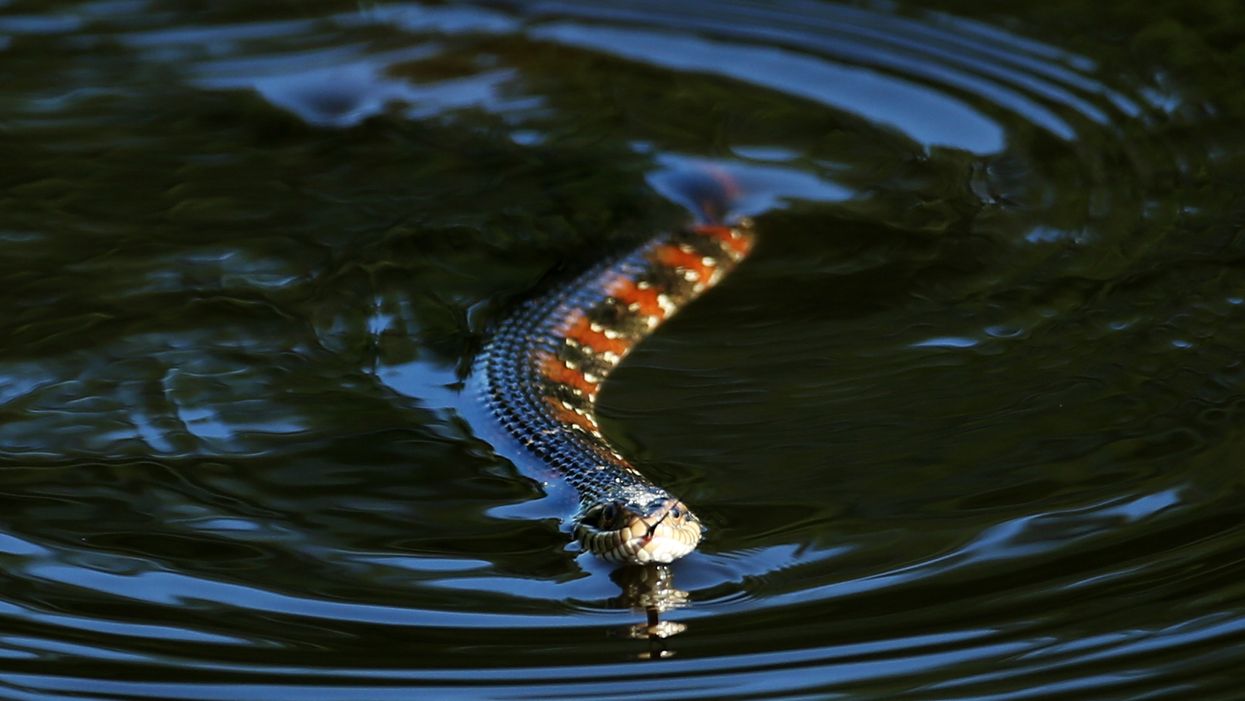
x=542, y=368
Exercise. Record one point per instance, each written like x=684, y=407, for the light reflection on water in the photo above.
x=985, y=359
x=873, y=96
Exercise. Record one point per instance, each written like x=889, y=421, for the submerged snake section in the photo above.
x=544, y=365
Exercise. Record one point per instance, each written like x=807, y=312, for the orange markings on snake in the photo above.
x=557, y=371
x=580, y=331
x=675, y=257
x=570, y=417
x=727, y=237
x=644, y=300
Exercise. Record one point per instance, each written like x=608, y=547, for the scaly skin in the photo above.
x=544, y=365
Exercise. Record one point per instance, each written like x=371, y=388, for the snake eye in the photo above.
x=676, y=512
x=608, y=514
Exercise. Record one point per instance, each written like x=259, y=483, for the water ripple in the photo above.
x=966, y=425
x=946, y=121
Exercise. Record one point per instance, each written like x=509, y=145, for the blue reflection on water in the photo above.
x=763, y=187
x=432, y=383
x=346, y=93
x=19, y=379
x=442, y=20
x=907, y=47
x=149, y=432
x=220, y=40
x=945, y=342
x=174, y=589
x=39, y=24
x=733, y=675
x=929, y=117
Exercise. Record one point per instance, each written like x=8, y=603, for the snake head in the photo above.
x=661, y=530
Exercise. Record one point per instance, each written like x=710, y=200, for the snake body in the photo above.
x=544, y=364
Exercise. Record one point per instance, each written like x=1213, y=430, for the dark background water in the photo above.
x=968, y=425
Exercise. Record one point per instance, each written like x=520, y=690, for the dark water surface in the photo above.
x=970, y=424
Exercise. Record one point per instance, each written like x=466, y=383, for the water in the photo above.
x=967, y=425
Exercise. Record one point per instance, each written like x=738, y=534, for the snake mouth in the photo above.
x=660, y=531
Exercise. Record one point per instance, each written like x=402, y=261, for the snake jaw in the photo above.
x=648, y=533
x=661, y=531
